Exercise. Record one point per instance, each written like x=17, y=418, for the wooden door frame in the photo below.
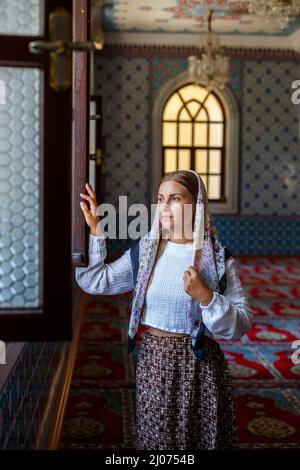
x=52, y=320
x=80, y=130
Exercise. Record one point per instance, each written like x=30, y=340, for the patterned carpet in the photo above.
x=101, y=405
x=265, y=378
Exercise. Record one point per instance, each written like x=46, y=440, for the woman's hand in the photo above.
x=90, y=213
x=196, y=287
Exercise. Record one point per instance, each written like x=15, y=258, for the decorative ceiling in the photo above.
x=181, y=21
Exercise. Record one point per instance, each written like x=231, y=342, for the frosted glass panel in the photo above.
x=22, y=17
x=20, y=188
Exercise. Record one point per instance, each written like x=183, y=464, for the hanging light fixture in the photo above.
x=212, y=69
x=280, y=10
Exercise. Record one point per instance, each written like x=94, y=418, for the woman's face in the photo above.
x=176, y=209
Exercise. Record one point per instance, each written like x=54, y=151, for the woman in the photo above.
x=188, y=292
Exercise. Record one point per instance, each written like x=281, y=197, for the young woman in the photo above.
x=188, y=293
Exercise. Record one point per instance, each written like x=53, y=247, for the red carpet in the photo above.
x=101, y=405
x=266, y=380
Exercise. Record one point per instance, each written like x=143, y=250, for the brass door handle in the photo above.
x=60, y=46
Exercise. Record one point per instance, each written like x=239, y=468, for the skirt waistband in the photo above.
x=177, y=339
x=180, y=338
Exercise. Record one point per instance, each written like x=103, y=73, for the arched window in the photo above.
x=199, y=129
x=193, y=136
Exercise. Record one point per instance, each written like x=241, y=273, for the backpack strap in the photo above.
x=134, y=256
x=223, y=281
x=228, y=253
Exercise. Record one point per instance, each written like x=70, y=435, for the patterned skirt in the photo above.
x=181, y=403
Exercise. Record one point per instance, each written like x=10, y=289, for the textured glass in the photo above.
x=20, y=188
x=22, y=17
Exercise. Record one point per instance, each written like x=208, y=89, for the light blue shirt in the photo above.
x=227, y=316
x=166, y=301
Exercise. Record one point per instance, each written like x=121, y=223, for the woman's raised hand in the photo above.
x=91, y=218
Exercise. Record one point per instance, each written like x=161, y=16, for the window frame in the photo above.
x=232, y=142
x=193, y=148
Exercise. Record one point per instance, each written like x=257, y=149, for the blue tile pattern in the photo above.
x=269, y=161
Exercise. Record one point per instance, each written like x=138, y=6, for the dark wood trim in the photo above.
x=52, y=320
x=80, y=131
x=16, y=51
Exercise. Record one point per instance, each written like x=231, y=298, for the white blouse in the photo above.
x=227, y=316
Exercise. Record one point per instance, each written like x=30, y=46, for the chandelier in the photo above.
x=212, y=69
x=281, y=10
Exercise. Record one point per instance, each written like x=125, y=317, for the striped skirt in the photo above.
x=182, y=403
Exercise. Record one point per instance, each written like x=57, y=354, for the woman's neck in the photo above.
x=170, y=236
x=182, y=240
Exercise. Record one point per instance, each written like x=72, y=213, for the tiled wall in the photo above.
x=24, y=396
x=30, y=394
x=269, y=162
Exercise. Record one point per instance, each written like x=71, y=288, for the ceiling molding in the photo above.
x=290, y=43
x=172, y=51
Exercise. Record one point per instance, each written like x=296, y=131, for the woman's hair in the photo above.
x=184, y=177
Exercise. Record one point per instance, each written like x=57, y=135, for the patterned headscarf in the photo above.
x=208, y=260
